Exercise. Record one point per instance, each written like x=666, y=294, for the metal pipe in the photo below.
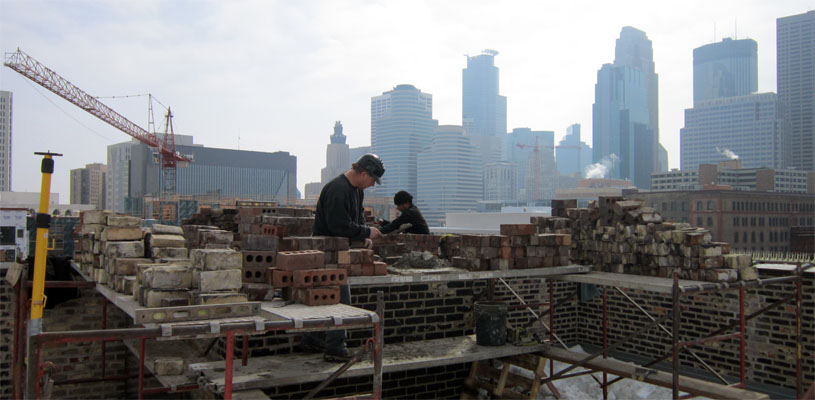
x=230, y=355
x=245, y=350
x=93, y=380
x=675, y=338
x=704, y=287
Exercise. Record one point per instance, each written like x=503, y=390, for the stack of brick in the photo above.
x=222, y=218
x=206, y=237
x=164, y=285
x=106, y=237
x=360, y=262
x=166, y=242
x=302, y=277
x=216, y=276
x=395, y=246
x=518, y=246
x=279, y=222
x=624, y=236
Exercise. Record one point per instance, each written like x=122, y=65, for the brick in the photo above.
x=115, y=233
x=160, y=229
x=168, y=252
x=380, y=268
x=279, y=278
x=299, y=260
x=261, y=242
x=168, y=366
x=368, y=269
x=354, y=269
x=318, y=296
x=133, y=249
x=168, y=277
x=253, y=258
x=319, y=277
x=124, y=221
x=254, y=274
x=208, y=281
x=166, y=241
x=216, y=259
x=517, y=229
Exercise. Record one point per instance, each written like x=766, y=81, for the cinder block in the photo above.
x=210, y=281
x=115, y=233
x=169, y=366
x=318, y=296
x=299, y=260
x=216, y=259
x=166, y=241
x=124, y=221
x=279, y=278
x=319, y=277
x=133, y=249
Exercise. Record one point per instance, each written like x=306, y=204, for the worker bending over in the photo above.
x=409, y=214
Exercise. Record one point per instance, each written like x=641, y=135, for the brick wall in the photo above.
x=770, y=347
x=7, y=305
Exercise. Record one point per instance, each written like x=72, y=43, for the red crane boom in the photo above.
x=47, y=78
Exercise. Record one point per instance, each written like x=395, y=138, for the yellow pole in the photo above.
x=43, y=221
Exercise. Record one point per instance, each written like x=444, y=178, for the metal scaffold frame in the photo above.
x=205, y=327
x=677, y=291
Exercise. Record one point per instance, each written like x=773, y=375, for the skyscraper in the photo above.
x=625, y=110
x=527, y=148
x=484, y=111
x=88, y=185
x=500, y=181
x=336, y=156
x=572, y=154
x=725, y=69
x=449, y=176
x=795, y=37
x=5, y=140
x=402, y=125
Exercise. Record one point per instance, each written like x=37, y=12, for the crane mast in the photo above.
x=47, y=78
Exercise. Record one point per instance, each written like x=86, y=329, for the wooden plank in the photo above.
x=686, y=384
x=649, y=283
x=299, y=368
x=428, y=275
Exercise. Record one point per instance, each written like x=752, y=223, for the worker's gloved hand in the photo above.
x=369, y=244
x=375, y=233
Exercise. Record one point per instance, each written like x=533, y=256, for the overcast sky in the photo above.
x=275, y=75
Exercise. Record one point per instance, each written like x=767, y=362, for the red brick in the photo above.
x=368, y=269
x=254, y=274
x=258, y=258
x=380, y=268
x=319, y=277
x=517, y=229
x=279, y=278
x=354, y=269
x=318, y=296
x=300, y=260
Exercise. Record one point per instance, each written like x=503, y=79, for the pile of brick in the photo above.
x=395, y=246
x=624, y=236
x=105, y=237
x=519, y=246
x=206, y=237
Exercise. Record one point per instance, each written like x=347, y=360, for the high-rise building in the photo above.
x=484, y=111
x=449, y=176
x=134, y=174
x=725, y=69
x=356, y=152
x=795, y=47
x=5, y=140
x=625, y=110
x=500, y=182
x=572, y=154
x=336, y=156
x=88, y=185
x=744, y=127
x=527, y=148
x=402, y=125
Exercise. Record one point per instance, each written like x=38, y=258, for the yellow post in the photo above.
x=40, y=254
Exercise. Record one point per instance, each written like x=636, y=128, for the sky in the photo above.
x=275, y=75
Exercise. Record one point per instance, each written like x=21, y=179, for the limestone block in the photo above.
x=95, y=217
x=132, y=249
x=124, y=221
x=126, y=266
x=737, y=260
x=210, y=281
x=710, y=251
x=168, y=277
x=216, y=259
x=115, y=233
x=159, y=229
x=155, y=297
x=91, y=229
x=165, y=366
x=198, y=298
x=169, y=252
x=748, y=273
x=166, y=241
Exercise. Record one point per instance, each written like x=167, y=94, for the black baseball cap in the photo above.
x=373, y=165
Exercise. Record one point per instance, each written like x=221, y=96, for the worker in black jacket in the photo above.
x=339, y=213
x=409, y=214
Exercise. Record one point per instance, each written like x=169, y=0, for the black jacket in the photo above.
x=410, y=216
x=339, y=211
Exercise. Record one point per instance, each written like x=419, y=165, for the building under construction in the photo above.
x=216, y=309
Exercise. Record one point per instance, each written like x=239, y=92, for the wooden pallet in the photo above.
x=501, y=382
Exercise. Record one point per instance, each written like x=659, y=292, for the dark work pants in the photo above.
x=333, y=341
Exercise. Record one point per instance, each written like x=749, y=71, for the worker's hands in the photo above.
x=375, y=233
x=369, y=244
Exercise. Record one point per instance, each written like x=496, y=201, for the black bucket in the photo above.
x=490, y=323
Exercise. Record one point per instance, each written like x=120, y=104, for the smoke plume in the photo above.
x=727, y=153
x=601, y=169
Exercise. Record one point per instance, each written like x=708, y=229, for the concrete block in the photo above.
x=168, y=277
x=210, y=281
x=132, y=249
x=737, y=260
x=710, y=251
x=216, y=259
x=159, y=229
x=299, y=260
x=721, y=275
x=115, y=233
x=169, y=366
x=166, y=241
x=215, y=236
x=168, y=252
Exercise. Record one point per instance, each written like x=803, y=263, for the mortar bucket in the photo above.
x=490, y=323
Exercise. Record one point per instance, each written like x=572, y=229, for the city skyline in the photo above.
x=255, y=75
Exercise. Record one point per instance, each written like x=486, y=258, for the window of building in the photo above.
x=673, y=206
x=698, y=205
x=709, y=221
x=752, y=221
x=761, y=237
x=735, y=237
x=710, y=205
x=735, y=221
x=744, y=237
x=760, y=221
x=699, y=221
x=753, y=236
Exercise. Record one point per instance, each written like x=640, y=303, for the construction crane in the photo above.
x=164, y=147
x=535, y=193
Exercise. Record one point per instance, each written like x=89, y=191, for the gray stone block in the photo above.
x=216, y=259
x=154, y=297
x=198, y=298
x=124, y=221
x=210, y=281
x=166, y=241
x=115, y=233
x=168, y=277
x=159, y=229
x=169, y=252
x=133, y=249
x=168, y=366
